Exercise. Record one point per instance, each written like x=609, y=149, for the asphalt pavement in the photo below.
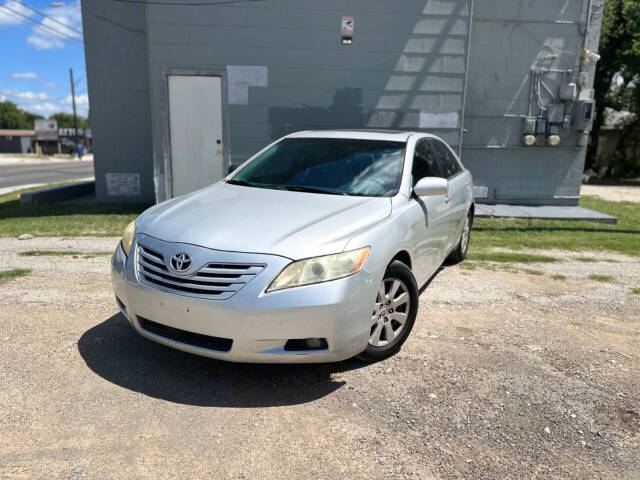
x=13, y=175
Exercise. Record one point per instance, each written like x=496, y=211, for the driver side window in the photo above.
x=425, y=162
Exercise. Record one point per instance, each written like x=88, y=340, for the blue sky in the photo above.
x=35, y=56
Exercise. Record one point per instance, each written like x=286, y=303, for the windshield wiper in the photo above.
x=242, y=183
x=302, y=188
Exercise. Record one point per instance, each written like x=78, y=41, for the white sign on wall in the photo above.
x=46, y=129
x=123, y=184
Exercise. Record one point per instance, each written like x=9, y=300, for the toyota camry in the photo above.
x=313, y=250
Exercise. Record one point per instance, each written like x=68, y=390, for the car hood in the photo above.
x=257, y=220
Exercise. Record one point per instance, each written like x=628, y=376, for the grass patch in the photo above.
x=574, y=236
x=101, y=220
x=601, y=278
x=635, y=291
x=6, y=275
x=594, y=260
x=509, y=257
x=559, y=276
x=61, y=253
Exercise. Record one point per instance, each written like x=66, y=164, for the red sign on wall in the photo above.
x=347, y=26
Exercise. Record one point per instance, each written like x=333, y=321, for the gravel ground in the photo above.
x=506, y=375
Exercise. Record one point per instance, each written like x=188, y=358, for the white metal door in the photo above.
x=195, y=122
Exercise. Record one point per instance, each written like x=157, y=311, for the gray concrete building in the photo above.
x=178, y=93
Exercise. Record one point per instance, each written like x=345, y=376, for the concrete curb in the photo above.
x=58, y=194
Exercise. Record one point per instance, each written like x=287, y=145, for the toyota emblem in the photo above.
x=180, y=262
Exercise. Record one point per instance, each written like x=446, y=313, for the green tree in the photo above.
x=620, y=58
x=65, y=120
x=13, y=117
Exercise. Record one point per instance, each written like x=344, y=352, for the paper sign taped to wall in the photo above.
x=439, y=120
x=347, y=26
x=240, y=78
x=123, y=184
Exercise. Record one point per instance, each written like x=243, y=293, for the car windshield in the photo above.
x=336, y=166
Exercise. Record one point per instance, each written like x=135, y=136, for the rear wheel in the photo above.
x=463, y=244
x=394, y=313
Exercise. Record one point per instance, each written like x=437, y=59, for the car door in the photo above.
x=430, y=228
x=458, y=188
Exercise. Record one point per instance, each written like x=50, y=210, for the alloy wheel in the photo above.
x=390, y=312
x=464, y=241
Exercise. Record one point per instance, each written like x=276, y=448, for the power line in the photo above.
x=185, y=4
x=26, y=17
x=47, y=16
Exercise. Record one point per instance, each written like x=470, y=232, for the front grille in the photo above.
x=216, y=281
x=195, y=339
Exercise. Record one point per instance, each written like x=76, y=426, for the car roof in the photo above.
x=363, y=134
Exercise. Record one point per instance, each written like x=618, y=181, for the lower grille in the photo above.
x=216, y=281
x=182, y=336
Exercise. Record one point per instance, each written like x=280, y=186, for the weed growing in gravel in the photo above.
x=61, y=253
x=559, y=276
x=601, y=278
x=6, y=275
x=533, y=272
x=635, y=291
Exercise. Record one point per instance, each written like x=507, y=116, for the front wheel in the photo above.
x=394, y=313
x=463, y=244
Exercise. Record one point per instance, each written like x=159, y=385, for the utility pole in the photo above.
x=73, y=101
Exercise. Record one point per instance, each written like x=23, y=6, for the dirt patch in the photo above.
x=506, y=375
x=614, y=193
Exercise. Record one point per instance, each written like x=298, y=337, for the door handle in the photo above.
x=447, y=198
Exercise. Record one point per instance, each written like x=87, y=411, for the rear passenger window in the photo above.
x=425, y=163
x=449, y=163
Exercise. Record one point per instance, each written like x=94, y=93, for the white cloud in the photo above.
x=24, y=75
x=43, y=103
x=45, y=108
x=27, y=96
x=44, y=42
x=33, y=96
x=82, y=101
x=53, y=32
x=10, y=12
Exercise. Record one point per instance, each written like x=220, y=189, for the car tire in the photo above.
x=391, y=326
x=461, y=249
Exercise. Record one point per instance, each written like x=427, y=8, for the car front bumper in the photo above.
x=258, y=324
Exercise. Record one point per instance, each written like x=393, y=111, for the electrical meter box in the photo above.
x=568, y=92
x=583, y=113
x=555, y=113
x=529, y=125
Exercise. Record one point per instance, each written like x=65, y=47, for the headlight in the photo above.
x=320, y=269
x=127, y=237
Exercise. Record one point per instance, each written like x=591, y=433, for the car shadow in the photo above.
x=114, y=351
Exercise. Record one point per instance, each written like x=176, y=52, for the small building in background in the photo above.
x=17, y=141
x=180, y=93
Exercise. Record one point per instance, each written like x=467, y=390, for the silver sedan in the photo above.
x=314, y=250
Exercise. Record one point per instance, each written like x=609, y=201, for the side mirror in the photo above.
x=431, y=186
x=231, y=169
